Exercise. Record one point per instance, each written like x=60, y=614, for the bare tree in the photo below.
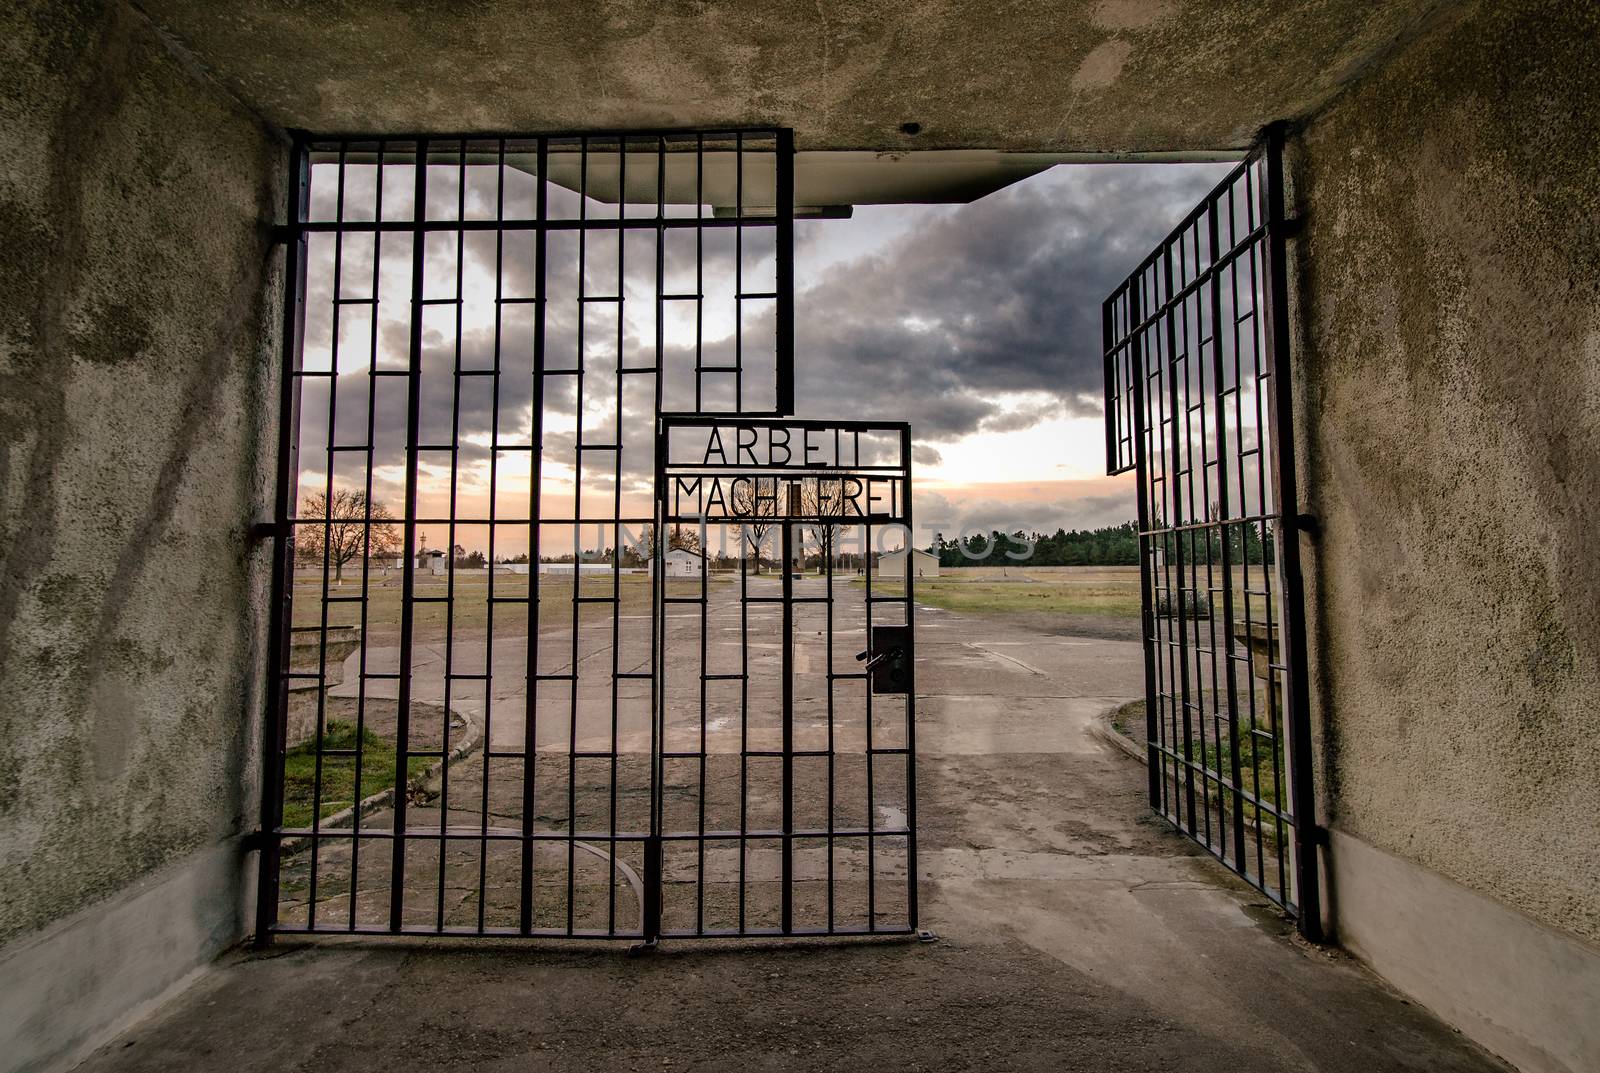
x=754, y=511
x=823, y=498
x=346, y=534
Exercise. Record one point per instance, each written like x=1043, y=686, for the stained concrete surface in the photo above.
x=1066, y=75
x=137, y=343
x=1450, y=286
x=1074, y=932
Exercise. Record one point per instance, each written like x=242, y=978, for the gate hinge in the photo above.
x=260, y=531
x=283, y=234
x=1309, y=524
x=252, y=841
x=1291, y=226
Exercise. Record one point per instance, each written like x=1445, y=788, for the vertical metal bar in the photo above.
x=1224, y=513
x=744, y=719
x=788, y=718
x=872, y=812
x=785, y=277
x=1110, y=354
x=1194, y=663
x=450, y=555
x=577, y=539
x=356, y=796
x=1126, y=302
x=328, y=494
x=275, y=714
x=408, y=578
x=738, y=274
x=912, y=909
x=654, y=849
x=530, y=730
x=616, y=526
x=1271, y=513
x=653, y=862
x=700, y=845
x=1253, y=207
x=1174, y=473
x=1292, y=614
x=699, y=272
x=494, y=495
x=829, y=682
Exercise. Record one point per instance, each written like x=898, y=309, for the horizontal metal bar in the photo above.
x=486, y=932
x=769, y=834
x=675, y=419
x=625, y=223
x=467, y=832
x=886, y=930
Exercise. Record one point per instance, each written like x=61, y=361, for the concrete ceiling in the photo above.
x=1110, y=77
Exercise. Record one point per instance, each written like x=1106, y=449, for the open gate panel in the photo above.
x=1198, y=406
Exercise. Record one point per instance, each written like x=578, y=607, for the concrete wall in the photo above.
x=1045, y=75
x=137, y=357
x=1450, y=295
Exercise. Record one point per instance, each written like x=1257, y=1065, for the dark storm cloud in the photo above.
x=999, y=296
x=1002, y=295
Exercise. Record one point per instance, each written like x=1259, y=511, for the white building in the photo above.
x=892, y=564
x=681, y=562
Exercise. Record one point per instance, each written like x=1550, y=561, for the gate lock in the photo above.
x=890, y=662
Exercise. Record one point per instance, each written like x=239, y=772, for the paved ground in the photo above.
x=1075, y=933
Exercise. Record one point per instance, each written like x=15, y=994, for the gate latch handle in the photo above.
x=886, y=654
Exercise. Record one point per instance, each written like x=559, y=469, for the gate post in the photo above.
x=274, y=715
x=1280, y=413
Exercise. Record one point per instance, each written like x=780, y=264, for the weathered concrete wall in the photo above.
x=1453, y=283
x=1450, y=287
x=136, y=404
x=1039, y=75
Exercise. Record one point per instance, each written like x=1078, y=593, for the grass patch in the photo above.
x=1257, y=774
x=339, y=772
x=1110, y=591
x=468, y=611
x=1128, y=716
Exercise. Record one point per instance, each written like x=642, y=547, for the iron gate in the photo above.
x=1196, y=345
x=481, y=337
x=471, y=726
x=786, y=800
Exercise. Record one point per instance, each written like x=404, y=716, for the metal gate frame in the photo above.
x=898, y=645
x=431, y=149
x=1199, y=405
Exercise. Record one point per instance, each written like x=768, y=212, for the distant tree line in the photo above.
x=1112, y=545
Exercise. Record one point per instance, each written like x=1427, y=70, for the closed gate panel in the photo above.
x=480, y=336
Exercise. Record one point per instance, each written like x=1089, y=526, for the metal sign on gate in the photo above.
x=786, y=793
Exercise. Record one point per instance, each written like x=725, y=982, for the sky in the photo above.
x=979, y=324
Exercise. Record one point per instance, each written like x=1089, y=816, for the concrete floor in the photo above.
x=1074, y=932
